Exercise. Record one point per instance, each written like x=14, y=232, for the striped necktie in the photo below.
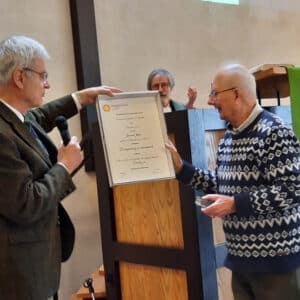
x=33, y=132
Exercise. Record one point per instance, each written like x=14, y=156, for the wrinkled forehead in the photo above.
x=222, y=80
x=160, y=79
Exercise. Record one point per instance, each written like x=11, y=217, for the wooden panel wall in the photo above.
x=149, y=283
x=149, y=214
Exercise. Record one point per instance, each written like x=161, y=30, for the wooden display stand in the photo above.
x=271, y=81
x=156, y=243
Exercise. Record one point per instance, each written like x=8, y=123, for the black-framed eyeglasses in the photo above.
x=43, y=75
x=214, y=94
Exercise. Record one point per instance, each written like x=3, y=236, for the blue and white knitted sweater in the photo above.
x=260, y=167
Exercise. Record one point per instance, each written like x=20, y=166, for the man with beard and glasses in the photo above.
x=162, y=81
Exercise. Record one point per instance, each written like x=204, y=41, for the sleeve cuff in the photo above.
x=77, y=99
x=63, y=165
x=242, y=204
x=186, y=173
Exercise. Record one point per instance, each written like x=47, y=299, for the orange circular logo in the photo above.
x=106, y=107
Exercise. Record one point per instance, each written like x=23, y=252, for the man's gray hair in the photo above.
x=18, y=52
x=160, y=72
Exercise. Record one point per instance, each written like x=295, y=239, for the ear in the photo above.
x=18, y=78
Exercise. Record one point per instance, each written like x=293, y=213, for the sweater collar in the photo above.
x=254, y=113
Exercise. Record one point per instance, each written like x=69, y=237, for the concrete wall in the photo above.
x=192, y=38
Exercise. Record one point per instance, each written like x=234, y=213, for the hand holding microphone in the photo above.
x=69, y=154
x=62, y=126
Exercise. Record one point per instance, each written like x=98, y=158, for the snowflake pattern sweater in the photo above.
x=260, y=168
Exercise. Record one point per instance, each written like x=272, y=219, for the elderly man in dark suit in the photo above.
x=34, y=175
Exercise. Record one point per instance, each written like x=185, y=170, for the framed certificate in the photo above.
x=133, y=132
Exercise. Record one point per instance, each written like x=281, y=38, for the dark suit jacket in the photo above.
x=31, y=188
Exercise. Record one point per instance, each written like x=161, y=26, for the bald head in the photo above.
x=233, y=93
x=238, y=76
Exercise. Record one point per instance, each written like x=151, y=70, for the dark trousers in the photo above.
x=266, y=286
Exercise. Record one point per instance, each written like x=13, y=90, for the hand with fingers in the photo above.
x=192, y=96
x=89, y=95
x=70, y=155
x=177, y=161
x=221, y=206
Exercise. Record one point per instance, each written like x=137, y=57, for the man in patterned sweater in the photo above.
x=255, y=188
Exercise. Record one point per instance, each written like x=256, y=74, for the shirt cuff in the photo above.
x=77, y=99
x=63, y=165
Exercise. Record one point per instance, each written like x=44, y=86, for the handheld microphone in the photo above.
x=62, y=126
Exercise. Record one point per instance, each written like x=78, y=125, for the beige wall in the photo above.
x=192, y=38
x=188, y=37
x=49, y=22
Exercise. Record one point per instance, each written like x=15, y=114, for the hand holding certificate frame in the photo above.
x=133, y=131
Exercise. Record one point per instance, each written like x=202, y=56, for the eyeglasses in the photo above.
x=43, y=75
x=214, y=94
x=163, y=85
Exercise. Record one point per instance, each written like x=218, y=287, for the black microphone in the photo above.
x=62, y=126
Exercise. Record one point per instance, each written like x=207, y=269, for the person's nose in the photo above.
x=211, y=100
x=46, y=84
x=160, y=88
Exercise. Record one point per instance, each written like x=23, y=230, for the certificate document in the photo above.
x=133, y=130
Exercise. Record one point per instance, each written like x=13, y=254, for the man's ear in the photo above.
x=18, y=78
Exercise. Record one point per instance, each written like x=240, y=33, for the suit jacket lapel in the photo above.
x=51, y=148
x=21, y=130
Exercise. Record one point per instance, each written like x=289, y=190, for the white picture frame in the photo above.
x=133, y=134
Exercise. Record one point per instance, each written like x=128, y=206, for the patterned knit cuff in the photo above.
x=242, y=204
x=186, y=173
